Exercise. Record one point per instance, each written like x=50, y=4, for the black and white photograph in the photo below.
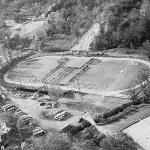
x=74, y=74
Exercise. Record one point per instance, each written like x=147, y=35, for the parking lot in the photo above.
x=43, y=114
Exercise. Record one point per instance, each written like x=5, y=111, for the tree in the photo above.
x=144, y=82
x=11, y=43
x=142, y=93
x=133, y=94
x=3, y=52
x=50, y=29
x=85, y=145
x=66, y=14
x=13, y=147
x=117, y=143
x=25, y=42
x=52, y=141
x=12, y=137
x=9, y=119
x=55, y=94
x=146, y=46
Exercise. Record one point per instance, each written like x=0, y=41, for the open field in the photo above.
x=44, y=116
x=76, y=73
x=58, y=43
x=28, y=29
x=32, y=69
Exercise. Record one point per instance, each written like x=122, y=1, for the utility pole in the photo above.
x=20, y=80
x=79, y=87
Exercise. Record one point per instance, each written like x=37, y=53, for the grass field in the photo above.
x=59, y=43
x=111, y=75
x=77, y=73
x=32, y=69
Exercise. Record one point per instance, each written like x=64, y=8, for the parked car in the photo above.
x=24, y=96
x=84, y=123
x=57, y=112
x=24, y=117
x=12, y=109
x=61, y=115
x=55, y=105
x=26, y=121
x=38, y=131
x=66, y=128
x=42, y=104
x=7, y=107
x=43, y=100
x=34, y=96
x=3, y=97
x=48, y=106
x=20, y=113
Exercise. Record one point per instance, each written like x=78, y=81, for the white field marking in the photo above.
x=129, y=64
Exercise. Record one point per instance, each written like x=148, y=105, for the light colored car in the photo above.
x=12, y=109
x=65, y=128
x=34, y=96
x=57, y=112
x=25, y=117
x=61, y=115
x=20, y=113
x=3, y=97
x=48, y=107
x=7, y=106
x=38, y=131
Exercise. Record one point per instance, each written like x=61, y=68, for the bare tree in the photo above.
x=146, y=46
x=52, y=141
x=141, y=90
x=55, y=93
x=133, y=94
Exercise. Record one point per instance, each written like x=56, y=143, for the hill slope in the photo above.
x=123, y=23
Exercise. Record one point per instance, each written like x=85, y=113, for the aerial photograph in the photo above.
x=74, y=74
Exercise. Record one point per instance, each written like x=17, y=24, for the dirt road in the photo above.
x=87, y=39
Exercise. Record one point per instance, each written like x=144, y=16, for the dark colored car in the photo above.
x=42, y=104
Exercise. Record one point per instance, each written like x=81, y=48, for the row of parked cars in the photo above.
x=60, y=115
x=45, y=100
x=20, y=94
x=48, y=104
x=26, y=119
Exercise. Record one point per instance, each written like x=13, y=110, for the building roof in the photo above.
x=140, y=133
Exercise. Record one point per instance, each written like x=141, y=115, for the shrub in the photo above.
x=9, y=119
x=52, y=141
x=146, y=46
x=12, y=43
x=115, y=143
x=116, y=113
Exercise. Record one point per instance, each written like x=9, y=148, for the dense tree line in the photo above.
x=124, y=23
x=127, y=26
